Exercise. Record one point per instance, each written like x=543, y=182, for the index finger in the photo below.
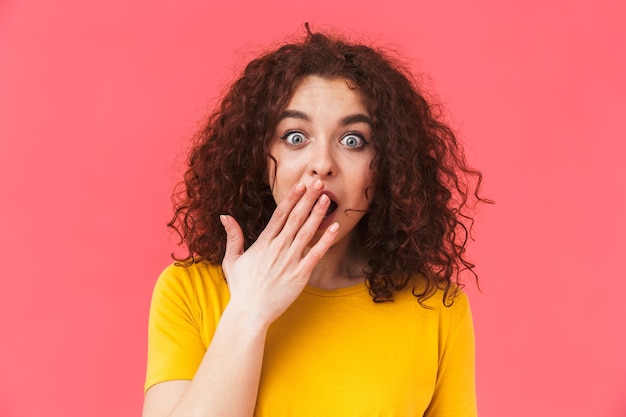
x=281, y=214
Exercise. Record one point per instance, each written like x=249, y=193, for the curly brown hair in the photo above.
x=417, y=223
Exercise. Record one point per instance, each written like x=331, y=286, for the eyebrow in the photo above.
x=348, y=120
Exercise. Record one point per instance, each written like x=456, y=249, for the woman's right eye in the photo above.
x=293, y=138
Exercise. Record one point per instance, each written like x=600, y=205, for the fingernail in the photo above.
x=333, y=227
x=324, y=199
x=225, y=220
x=318, y=185
x=300, y=187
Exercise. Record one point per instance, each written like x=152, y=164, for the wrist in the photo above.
x=245, y=319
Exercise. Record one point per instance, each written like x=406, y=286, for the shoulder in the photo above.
x=452, y=308
x=454, y=301
x=193, y=284
x=198, y=274
x=449, y=311
x=455, y=304
x=187, y=303
x=455, y=324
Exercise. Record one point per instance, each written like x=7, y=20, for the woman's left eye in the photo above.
x=352, y=140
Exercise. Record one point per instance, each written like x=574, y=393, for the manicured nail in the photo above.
x=333, y=227
x=318, y=185
x=324, y=200
x=225, y=220
x=300, y=187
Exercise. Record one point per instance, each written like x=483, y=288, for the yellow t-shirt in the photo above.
x=332, y=353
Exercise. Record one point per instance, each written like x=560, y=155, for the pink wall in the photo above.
x=97, y=100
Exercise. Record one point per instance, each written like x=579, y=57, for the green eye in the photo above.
x=352, y=140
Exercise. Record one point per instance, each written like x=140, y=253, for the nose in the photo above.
x=322, y=162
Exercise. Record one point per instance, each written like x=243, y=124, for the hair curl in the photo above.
x=417, y=222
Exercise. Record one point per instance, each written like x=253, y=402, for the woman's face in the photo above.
x=325, y=133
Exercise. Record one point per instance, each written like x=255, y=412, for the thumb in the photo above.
x=234, y=238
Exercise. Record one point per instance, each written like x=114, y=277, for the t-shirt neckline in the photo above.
x=337, y=292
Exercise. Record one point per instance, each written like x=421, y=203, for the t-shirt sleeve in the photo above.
x=455, y=389
x=177, y=330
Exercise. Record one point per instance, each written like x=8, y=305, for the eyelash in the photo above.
x=291, y=132
x=357, y=134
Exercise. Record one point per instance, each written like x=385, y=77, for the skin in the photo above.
x=301, y=245
x=325, y=134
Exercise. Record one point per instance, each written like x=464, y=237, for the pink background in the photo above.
x=98, y=99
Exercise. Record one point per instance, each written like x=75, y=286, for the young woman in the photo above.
x=324, y=211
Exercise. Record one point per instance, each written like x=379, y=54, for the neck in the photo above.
x=342, y=266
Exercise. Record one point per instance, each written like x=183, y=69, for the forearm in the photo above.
x=227, y=380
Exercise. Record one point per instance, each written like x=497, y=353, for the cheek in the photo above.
x=368, y=175
x=279, y=172
x=281, y=179
x=270, y=172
